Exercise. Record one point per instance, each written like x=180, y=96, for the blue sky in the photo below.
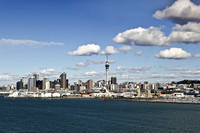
x=38, y=36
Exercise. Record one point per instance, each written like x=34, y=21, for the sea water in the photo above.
x=96, y=116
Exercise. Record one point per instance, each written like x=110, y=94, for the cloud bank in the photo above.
x=27, y=42
x=188, y=33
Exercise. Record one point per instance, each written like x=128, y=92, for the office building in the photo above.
x=63, y=81
x=36, y=76
x=46, y=83
x=113, y=80
x=54, y=83
x=89, y=84
x=24, y=80
x=31, y=84
x=19, y=85
x=39, y=84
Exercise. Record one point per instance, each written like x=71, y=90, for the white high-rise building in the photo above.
x=24, y=80
x=31, y=84
x=46, y=83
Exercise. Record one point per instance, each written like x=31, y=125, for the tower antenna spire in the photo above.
x=107, y=68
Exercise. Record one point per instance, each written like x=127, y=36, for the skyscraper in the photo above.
x=90, y=84
x=107, y=68
x=25, y=82
x=39, y=84
x=31, y=83
x=46, y=83
x=67, y=83
x=36, y=75
x=63, y=81
x=19, y=85
x=55, y=82
x=113, y=80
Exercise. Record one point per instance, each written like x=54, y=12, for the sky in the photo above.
x=154, y=40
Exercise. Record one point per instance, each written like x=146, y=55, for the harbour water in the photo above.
x=95, y=115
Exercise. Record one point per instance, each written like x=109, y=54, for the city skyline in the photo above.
x=146, y=40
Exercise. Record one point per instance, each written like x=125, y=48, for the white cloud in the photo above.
x=197, y=55
x=6, y=73
x=188, y=33
x=173, y=53
x=6, y=77
x=138, y=53
x=181, y=11
x=142, y=37
x=129, y=77
x=9, y=78
x=111, y=61
x=191, y=74
x=190, y=26
x=121, y=68
x=86, y=50
x=27, y=42
x=47, y=72
x=125, y=49
x=98, y=61
x=109, y=50
x=157, y=75
x=82, y=64
x=93, y=73
x=184, y=37
x=79, y=65
x=177, y=69
x=139, y=69
x=196, y=72
x=102, y=61
x=72, y=68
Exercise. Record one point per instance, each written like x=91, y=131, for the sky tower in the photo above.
x=107, y=68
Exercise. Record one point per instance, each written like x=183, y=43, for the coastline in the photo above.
x=114, y=100
x=65, y=97
x=148, y=101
